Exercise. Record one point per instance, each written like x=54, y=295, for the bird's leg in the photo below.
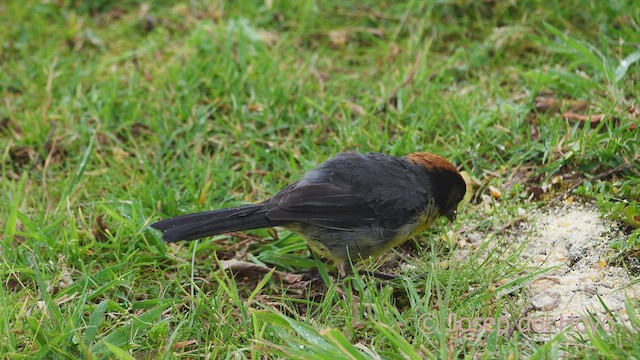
x=344, y=269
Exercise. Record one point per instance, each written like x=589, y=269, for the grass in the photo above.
x=116, y=114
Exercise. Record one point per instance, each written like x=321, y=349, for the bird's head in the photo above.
x=447, y=184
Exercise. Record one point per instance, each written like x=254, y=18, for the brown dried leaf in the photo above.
x=634, y=113
x=546, y=104
x=270, y=38
x=11, y=128
x=22, y=155
x=356, y=109
x=14, y=284
x=113, y=14
x=591, y=119
x=251, y=268
x=182, y=344
x=257, y=107
x=65, y=278
x=140, y=129
x=576, y=105
x=65, y=298
x=377, y=32
x=570, y=115
x=100, y=230
x=338, y=38
x=536, y=192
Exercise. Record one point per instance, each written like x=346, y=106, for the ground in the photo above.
x=573, y=241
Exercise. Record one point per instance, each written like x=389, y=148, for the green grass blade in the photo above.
x=129, y=332
x=94, y=322
x=118, y=352
x=337, y=338
x=398, y=341
x=621, y=70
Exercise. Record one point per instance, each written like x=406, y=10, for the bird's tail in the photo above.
x=208, y=223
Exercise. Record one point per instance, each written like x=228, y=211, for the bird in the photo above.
x=351, y=207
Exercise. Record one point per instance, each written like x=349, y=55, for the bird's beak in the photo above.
x=451, y=215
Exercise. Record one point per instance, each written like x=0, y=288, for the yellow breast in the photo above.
x=406, y=232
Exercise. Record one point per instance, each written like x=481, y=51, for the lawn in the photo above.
x=114, y=115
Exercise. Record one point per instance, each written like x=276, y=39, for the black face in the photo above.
x=450, y=190
x=455, y=196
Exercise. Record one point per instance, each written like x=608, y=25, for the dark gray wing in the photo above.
x=353, y=190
